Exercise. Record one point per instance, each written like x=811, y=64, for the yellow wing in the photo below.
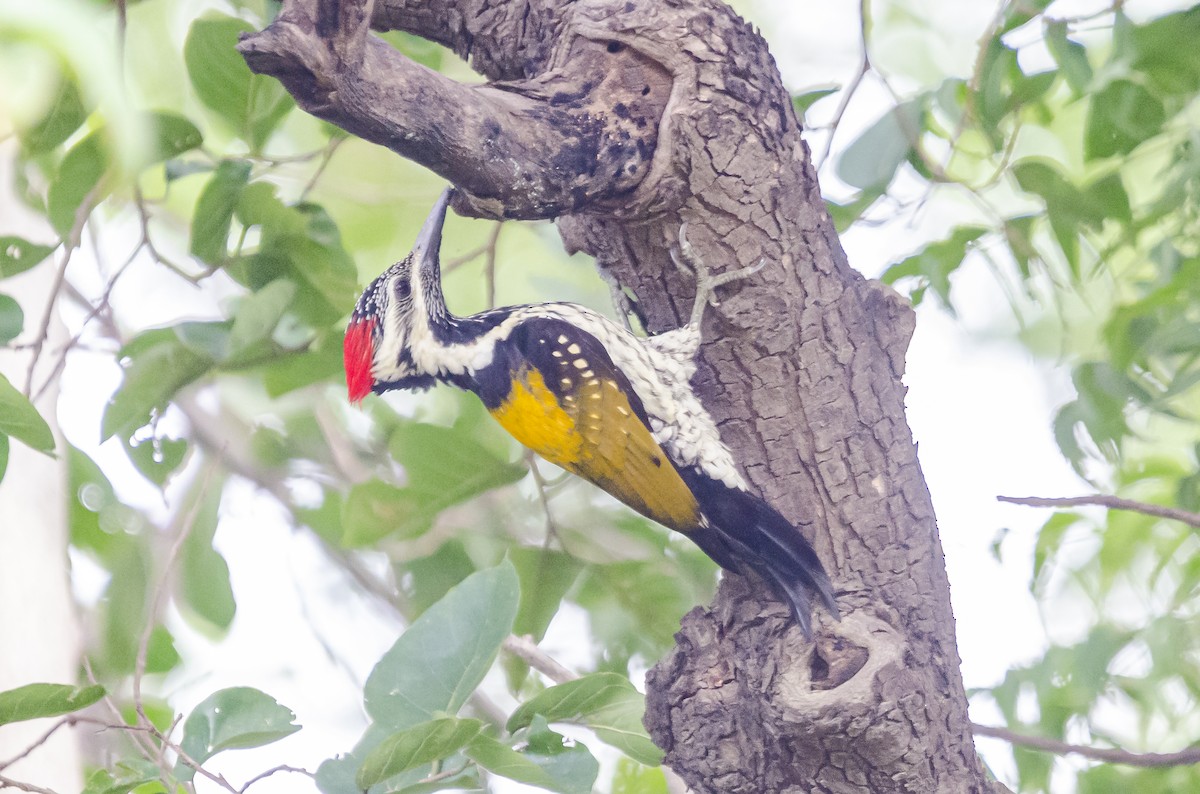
x=592, y=430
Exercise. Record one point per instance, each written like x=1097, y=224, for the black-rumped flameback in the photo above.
x=591, y=397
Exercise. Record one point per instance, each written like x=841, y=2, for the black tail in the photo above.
x=744, y=532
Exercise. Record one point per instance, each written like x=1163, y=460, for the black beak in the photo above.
x=429, y=240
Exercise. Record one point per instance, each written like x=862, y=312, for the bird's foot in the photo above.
x=688, y=262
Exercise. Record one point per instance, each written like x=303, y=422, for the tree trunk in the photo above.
x=623, y=120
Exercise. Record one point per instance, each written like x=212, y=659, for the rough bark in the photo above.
x=624, y=119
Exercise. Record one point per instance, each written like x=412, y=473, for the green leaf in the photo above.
x=871, y=160
x=338, y=775
x=1049, y=540
x=18, y=255
x=81, y=170
x=936, y=262
x=635, y=606
x=1120, y=118
x=258, y=314
x=1069, y=207
x=845, y=215
x=416, y=746
x=178, y=169
x=173, y=135
x=439, y=661
x=374, y=510
x=500, y=759
x=3, y=455
x=303, y=243
x=546, y=576
x=161, y=655
x=131, y=774
x=12, y=319
x=232, y=719
x=156, y=458
x=253, y=104
x=605, y=702
x=321, y=361
x=66, y=115
x=34, y=701
x=124, y=604
x=633, y=778
x=19, y=419
x=203, y=589
x=572, y=766
x=158, y=364
x=1165, y=50
x=214, y=210
x=426, y=580
x=802, y=102
x=445, y=466
x=1071, y=56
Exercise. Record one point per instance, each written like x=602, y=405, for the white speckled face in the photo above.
x=390, y=300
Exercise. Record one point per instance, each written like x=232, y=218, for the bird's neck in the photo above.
x=442, y=345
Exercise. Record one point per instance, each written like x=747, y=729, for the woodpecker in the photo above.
x=590, y=396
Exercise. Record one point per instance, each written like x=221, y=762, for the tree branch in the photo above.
x=1105, y=500
x=577, y=135
x=1108, y=755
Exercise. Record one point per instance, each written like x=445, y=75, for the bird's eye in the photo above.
x=402, y=289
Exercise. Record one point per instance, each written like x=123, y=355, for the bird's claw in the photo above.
x=688, y=263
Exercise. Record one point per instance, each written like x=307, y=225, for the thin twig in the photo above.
x=1111, y=502
x=275, y=770
x=488, y=248
x=157, y=602
x=36, y=744
x=69, y=244
x=7, y=782
x=326, y=157
x=527, y=651
x=70, y=720
x=864, y=68
x=196, y=765
x=489, y=265
x=139, y=202
x=138, y=733
x=539, y=483
x=443, y=775
x=341, y=449
x=93, y=311
x=1106, y=754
